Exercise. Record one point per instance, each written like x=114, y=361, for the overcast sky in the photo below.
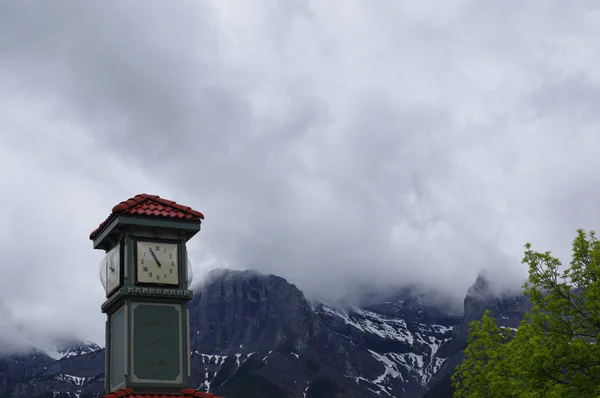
x=329, y=142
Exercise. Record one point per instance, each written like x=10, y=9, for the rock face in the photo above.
x=508, y=311
x=253, y=331
x=36, y=374
x=233, y=309
x=255, y=335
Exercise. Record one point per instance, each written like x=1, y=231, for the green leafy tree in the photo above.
x=484, y=357
x=554, y=353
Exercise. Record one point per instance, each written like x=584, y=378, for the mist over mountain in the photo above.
x=256, y=335
x=16, y=337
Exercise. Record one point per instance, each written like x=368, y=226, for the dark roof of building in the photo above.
x=150, y=205
x=186, y=392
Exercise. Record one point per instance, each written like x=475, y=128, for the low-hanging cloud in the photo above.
x=375, y=143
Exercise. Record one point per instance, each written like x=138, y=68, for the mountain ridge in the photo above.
x=257, y=335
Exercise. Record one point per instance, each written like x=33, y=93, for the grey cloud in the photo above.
x=378, y=144
x=574, y=97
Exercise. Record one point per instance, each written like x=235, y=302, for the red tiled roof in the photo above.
x=186, y=392
x=150, y=205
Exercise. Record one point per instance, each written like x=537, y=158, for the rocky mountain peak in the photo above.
x=245, y=308
x=70, y=346
x=481, y=288
x=82, y=348
x=506, y=306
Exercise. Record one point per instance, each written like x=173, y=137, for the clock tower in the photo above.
x=146, y=274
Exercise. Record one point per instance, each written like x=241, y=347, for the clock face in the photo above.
x=113, y=268
x=110, y=270
x=157, y=263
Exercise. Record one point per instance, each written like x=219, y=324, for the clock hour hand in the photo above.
x=155, y=258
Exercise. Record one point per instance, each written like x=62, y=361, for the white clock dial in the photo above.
x=190, y=272
x=110, y=269
x=114, y=268
x=158, y=263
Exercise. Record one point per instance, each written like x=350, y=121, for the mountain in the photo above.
x=252, y=331
x=508, y=311
x=255, y=335
x=79, y=372
x=71, y=347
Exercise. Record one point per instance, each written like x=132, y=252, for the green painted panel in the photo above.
x=117, y=349
x=157, y=343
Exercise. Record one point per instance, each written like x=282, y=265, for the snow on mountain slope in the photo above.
x=209, y=365
x=80, y=349
x=71, y=348
x=390, y=351
x=371, y=322
x=401, y=341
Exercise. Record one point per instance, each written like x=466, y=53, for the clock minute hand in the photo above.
x=155, y=258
